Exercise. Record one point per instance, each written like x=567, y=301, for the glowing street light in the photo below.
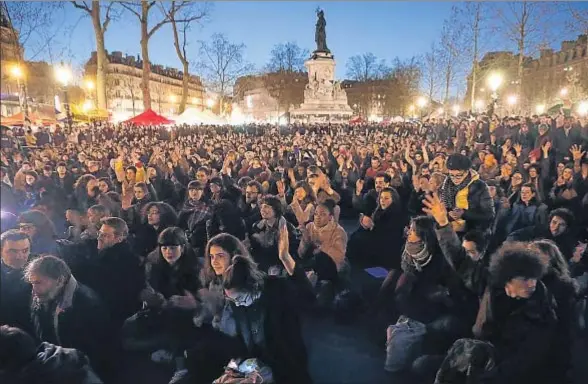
x=172, y=98
x=422, y=102
x=456, y=109
x=540, y=108
x=494, y=81
x=87, y=106
x=512, y=100
x=16, y=72
x=209, y=102
x=479, y=105
x=583, y=108
x=63, y=75
x=89, y=84
x=440, y=111
x=563, y=92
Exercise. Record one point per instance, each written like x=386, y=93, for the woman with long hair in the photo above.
x=264, y=236
x=259, y=317
x=155, y=217
x=378, y=241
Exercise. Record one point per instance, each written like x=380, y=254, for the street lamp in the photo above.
x=563, y=92
x=63, y=76
x=89, y=85
x=494, y=82
x=17, y=72
x=583, y=108
x=540, y=108
x=456, y=109
x=172, y=98
x=210, y=102
x=512, y=100
x=411, y=109
x=422, y=103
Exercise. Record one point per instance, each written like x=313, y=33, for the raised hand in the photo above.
x=281, y=188
x=435, y=208
x=577, y=153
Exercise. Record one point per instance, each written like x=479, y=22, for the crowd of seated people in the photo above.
x=204, y=247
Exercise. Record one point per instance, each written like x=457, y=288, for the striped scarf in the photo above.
x=449, y=191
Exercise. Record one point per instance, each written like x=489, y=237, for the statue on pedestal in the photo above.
x=320, y=35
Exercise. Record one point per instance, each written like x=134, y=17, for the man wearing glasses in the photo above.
x=466, y=196
x=115, y=273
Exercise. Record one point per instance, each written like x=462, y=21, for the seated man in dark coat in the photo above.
x=115, y=273
x=21, y=361
x=65, y=312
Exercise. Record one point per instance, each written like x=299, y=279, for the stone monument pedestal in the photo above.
x=324, y=99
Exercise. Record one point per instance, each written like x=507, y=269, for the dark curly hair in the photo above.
x=167, y=215
x=517, y=259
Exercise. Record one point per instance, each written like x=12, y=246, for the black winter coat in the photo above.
x=15, y=298
x=523, y=333
x=117, y=277
x=82, y=323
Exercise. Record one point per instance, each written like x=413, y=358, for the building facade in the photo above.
x=123, y=86
x=552, y=78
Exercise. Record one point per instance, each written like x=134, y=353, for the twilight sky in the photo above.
x=387, y=29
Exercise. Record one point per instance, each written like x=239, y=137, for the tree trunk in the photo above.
x=145, y=52
x=476, y=31
x=101, y=58
x=447, y=84
x=185, y=83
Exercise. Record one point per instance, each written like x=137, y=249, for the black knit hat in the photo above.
x=517, y=259
x=458, y=162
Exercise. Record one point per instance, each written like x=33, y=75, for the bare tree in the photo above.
x=405, y=78
x=34, y=24
x=143, y=13
x=578, y=22
x=222, y=63
x=451, y=44
x=527, y=25
x=366, y=67
x=283, y=75
x=100, y=27
x=181, y=15
x=287, y=57
x=471, y=25
x=431, y=69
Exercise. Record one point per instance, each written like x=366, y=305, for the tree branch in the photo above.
x=82, y=7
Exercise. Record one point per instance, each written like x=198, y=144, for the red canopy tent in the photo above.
x=357, y=120
x=149, y=117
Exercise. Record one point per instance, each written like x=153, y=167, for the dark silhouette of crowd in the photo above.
x=204, y=247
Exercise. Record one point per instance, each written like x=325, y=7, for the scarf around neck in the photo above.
x=450, y=190
x=415, y=257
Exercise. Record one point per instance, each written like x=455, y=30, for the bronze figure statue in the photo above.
x=320, y=35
